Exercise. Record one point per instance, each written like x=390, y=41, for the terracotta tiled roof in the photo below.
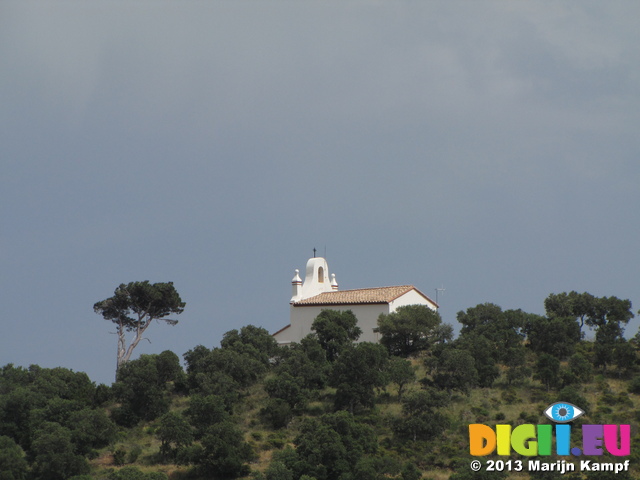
x=361, y=296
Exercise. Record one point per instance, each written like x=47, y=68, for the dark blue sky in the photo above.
x=490, y=148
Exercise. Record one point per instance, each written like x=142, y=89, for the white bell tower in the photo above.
x=316, y=280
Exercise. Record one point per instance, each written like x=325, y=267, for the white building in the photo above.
x=317, y=292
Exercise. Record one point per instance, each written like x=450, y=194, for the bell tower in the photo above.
x=316, y=280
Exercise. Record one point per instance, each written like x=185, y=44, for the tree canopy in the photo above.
x=336, y=330
x=134, y=306
x=411, y=329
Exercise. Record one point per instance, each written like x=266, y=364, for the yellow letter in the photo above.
x=504, y=445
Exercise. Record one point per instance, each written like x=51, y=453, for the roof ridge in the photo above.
x=371, y=288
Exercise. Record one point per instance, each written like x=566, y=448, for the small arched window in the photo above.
x=320, y=275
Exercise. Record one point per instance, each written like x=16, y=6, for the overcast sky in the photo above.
x=489, y=148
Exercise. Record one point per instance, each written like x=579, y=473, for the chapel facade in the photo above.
x=319, y=291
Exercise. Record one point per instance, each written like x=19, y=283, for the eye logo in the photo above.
x=563, y=412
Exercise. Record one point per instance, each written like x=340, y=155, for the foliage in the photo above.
x=134, y=306
x=484, y=354
x=456, y=370
x=53, y=454
x=307, y=362
x=38, y=394
x=243, y=358
x=169, y=368
x=205, y=411
x=572, y=395
x=634, y=385
x=91, y=429
x=421, y=419
x=224, y=452
x=607, y=315
x=286, y=387
x=465, y=473
x=411, y=329
x=13, y=465
x=49, y=423
x=548, y=370
x=278, y=471
x=174, y=432
x=357, y=372
x=556, y=336
x=400, y=372
x=335, y=331
x=330, y=446
x=580, y=306
x=252, y=340
x=517, y=365
x=276, y=413
x=502, y=329
x=141, y=388
x=625, y=357
x=133, y=473
x=580, y=367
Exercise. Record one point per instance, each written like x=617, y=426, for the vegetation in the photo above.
x=134, y=307
x=328, y=408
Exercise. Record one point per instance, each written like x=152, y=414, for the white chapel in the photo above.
x=320, y=291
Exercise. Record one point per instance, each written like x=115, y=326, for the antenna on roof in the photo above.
x=441, y=289
x=314, y=252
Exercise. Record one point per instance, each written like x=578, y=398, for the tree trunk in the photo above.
x=124, y=354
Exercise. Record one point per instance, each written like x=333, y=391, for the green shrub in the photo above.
x=634, y=385
x=119, y=456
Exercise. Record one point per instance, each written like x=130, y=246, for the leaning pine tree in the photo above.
x=134, y=306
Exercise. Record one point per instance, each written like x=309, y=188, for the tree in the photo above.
x=401, y=372
x=329, y=447
x=548, y=370
x=141, y=389
x=91, y=429
x=252, y=340
x=288, y=388
x=336, y=330
x=609, y=315
x=625, y=356
x=204, y=412
x=456, y=370
x=174, y=432
x=307, y=362
x=555, y=336
x=573, y=304
x=278, y=471
x=54, y=456
x=503, y=329
x=595, y=312
x=13, y=466
x=484, y=353
x=580, y=367
x=134, y=307
x=225, y=453
x=517, y=365
x=410, y=329
x=356, y=374
x=421, y=420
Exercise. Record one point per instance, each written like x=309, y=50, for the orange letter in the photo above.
x=482, y=440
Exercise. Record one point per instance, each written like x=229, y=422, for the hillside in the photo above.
x=327, y=408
